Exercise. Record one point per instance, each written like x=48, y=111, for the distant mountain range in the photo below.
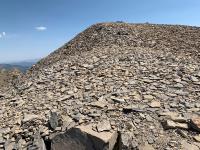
x=21, y=65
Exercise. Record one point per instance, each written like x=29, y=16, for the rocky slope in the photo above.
x=135, y=82
x=177, y=38
x=6, y=81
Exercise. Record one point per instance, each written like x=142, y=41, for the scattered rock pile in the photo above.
x=7, y=78
x=179, y=39
x=114, y=86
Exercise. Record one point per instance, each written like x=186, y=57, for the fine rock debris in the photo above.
x=125, y=86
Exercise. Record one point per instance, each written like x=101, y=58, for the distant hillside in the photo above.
x=23, y=66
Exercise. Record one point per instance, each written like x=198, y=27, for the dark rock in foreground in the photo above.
x=84, y=138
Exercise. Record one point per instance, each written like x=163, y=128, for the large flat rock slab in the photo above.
x=84, y=138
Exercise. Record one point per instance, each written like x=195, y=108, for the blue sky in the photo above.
x=33, y=28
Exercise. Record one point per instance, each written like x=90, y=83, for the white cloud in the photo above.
x=5, y=35
x=2, y=34
x=40, y=28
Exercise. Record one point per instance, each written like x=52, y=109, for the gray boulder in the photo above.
x=84, y=138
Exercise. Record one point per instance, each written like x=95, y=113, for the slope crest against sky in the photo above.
x=34, y=28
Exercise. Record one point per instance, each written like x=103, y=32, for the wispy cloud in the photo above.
x=41, y=28
x=3, y=34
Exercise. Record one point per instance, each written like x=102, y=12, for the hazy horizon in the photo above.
x=33, y=29
x=20, y=60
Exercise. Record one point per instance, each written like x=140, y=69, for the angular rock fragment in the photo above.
x=88, y=66
x=148, y=97
x=155, y=104
x=78, y=117
x=169, y=124
x=4, y=131
x=187, y=146
x=178, y=80
x=146, y=146
x=147, y=80
x=104, y=126
x=67, y=123
x=82, y=138
x=174, y=116
x=118, y=100
x=178, y=85
x=21, y=144
x=132, y=108
x=99, y=104
x=66, y=97
x=195, y=123
x=2, y=141
x=9, y=145
x=38, y=143
x=183, y=133
x=194, y=79
x=127, y=141
x=53, y=121
x=197, y=138
x=29, y=117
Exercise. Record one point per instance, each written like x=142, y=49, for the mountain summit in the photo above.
x=114, y=86
x=176, y=38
